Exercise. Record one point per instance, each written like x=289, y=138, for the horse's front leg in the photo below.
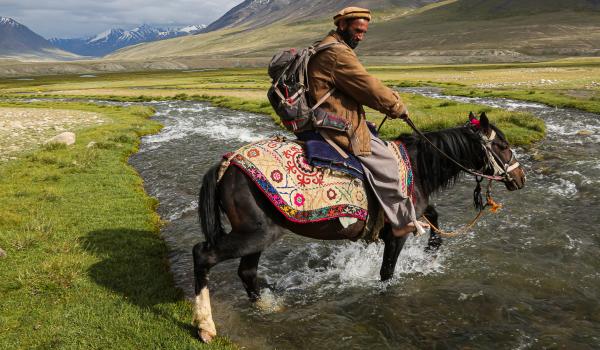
x=393, y=246
x=435, y=240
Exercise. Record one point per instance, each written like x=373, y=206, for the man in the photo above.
x=338, y=67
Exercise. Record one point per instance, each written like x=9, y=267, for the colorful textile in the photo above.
x=301, y=192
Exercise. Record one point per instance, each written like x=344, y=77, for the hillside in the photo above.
x=402, y=31
x=258, y=13
x=19, y=42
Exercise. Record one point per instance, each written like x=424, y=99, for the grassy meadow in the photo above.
x=85, y=265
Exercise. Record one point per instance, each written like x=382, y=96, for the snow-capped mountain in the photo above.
x=116, y=38
x=18, y=41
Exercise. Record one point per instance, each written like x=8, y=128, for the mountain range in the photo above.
x=18, y=41
x=117, y=38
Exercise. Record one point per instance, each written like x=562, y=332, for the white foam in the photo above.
x=353, y=264
x=181, y=129
x=224, y=131
x=563, y=188
x=178, y=214
x=574, y=243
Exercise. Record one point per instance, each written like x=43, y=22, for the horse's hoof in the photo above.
x=269, y=305
x=206, y=336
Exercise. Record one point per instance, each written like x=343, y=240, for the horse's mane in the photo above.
x=434, y=171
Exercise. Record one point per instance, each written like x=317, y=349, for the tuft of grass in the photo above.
x=54, y=146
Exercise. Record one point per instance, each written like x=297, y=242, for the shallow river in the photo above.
x=528, y=277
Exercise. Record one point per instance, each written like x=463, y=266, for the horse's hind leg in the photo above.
x=204, y=259
x=247, y=244
x=435, y=240
x=247, y=272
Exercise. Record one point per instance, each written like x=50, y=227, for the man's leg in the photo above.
x=381, y=172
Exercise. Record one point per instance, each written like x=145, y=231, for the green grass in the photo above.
x=521, y=129
x=86, y=267
x=556, y=97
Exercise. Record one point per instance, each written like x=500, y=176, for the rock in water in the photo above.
x=67, y=138
x=585, y=132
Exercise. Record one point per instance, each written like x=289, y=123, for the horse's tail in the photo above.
x=209, y=208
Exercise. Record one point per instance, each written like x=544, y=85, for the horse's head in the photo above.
x=500, y=158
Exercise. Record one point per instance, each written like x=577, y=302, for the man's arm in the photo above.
x=350, y=77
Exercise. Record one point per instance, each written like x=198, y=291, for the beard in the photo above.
x=347, y=36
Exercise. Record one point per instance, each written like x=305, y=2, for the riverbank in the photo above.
x=85, y=266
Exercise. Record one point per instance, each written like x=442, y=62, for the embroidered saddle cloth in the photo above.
x=304, y=193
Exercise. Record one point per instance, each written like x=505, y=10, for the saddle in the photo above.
x=321, y=153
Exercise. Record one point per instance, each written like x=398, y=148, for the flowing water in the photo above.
x=528, y=277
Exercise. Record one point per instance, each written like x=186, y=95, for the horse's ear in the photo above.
x=471, y=116
x=484, y=121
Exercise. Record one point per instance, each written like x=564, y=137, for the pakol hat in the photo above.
x=352, y=13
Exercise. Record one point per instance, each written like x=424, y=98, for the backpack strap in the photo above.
x=322, y=99
x=320, y=47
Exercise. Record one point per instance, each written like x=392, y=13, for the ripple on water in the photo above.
x=563, y=188
x=180, y=212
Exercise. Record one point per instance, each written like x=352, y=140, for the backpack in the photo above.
x=288, y=93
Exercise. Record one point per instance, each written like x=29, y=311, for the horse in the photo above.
x=255, y=223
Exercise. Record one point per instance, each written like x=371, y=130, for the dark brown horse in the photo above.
x=255, y=222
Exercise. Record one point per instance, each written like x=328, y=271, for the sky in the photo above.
x=81, y=18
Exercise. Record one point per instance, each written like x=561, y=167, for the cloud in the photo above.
x=76, y=18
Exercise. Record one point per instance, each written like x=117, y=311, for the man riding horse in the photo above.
x=339, y=68
x=260, y=186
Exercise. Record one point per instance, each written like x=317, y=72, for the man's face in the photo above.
x=353, y=31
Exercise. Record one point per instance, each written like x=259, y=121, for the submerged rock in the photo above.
x=585, y=132
x=2, y=253
x=67, y=138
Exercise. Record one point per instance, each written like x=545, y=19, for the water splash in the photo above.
x=318, y=269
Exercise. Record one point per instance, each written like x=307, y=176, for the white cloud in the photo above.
x=75, y=18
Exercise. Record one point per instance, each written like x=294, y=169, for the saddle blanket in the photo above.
x=304, y=193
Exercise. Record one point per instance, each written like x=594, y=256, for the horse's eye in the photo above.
x=502, y=145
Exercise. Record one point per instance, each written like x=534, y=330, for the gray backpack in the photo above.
x=288, y=94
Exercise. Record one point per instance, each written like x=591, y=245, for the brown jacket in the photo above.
x=339, y=67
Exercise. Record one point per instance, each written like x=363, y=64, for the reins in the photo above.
x=470, y=171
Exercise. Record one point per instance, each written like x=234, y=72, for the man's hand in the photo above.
x=400, y=110
x=402, y=114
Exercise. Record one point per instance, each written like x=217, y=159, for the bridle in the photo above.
x=494, y=162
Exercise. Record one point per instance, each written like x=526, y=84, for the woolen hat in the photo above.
x=352, y=13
